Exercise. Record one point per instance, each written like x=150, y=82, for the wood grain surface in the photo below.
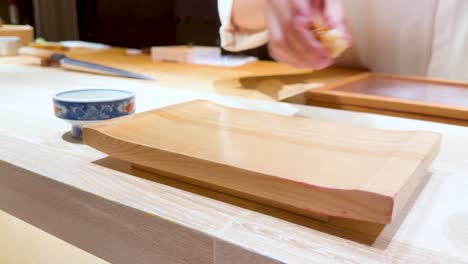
x=412, y=95
x=304, y=166
x=23, y=243
x=123, y=215
x=394, y=112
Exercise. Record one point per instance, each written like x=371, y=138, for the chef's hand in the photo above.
x=291, y=40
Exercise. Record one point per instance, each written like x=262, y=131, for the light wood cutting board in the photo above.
x=310, y=167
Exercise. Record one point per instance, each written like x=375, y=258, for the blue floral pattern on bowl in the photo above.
x=80, y=112
x=93, y=111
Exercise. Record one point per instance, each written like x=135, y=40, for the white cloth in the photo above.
x=421, y=37
x=232, y=40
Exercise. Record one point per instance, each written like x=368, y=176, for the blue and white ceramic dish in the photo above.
x=86, y=106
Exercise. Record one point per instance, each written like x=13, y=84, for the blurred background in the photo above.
x=132, y=24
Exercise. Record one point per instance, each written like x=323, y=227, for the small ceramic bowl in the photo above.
x=86, y=106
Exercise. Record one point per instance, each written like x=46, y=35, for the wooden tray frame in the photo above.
x=328, y=95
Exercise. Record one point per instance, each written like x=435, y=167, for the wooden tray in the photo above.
x=445, y=120
x=412, y=95
x=310, y=167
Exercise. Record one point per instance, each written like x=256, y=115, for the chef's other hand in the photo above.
x=291, y=39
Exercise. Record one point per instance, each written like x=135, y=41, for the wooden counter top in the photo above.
x=264, y=80
x=121, y=215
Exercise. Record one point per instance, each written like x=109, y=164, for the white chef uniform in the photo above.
x=420, y=37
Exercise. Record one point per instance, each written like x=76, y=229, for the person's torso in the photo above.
x=423, y=37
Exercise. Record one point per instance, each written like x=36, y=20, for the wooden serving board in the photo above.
x=310, y=167
x=425, y=98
